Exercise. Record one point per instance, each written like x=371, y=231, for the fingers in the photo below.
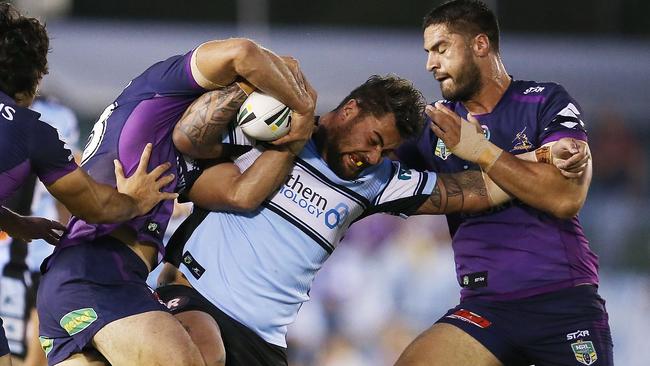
x=168, y=196
x=144, y=158
x=162, y=182
x=573, y=162
x=55, y=225
x=290, y=137
x=119, y=170
x=160, y=169
x=436, y=130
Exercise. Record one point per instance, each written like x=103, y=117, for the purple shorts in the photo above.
x=568, y=327
x=86, y=287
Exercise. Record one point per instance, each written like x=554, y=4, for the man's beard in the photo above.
x=468, y=84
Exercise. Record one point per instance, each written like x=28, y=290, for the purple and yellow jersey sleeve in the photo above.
x=145, y=112
x=515, y=250
x=29, y=146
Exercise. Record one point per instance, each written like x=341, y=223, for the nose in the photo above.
x=374, y=157
x=432, y=61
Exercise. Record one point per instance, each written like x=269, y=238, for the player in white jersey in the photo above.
x=250, y=272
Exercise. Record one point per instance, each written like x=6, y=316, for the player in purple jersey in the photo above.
x=28, y=145
x=353, y=139
x=93, y=302
x=529, y=280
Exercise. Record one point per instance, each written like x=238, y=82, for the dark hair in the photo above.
x=466, y=17
x=380, y=95
x=23, y=51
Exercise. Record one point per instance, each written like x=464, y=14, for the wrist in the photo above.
x=487, y=154
x=544, y=155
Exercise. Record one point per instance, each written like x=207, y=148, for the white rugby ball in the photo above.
x=263, y=117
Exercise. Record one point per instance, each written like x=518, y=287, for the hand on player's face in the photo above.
x=446, y=124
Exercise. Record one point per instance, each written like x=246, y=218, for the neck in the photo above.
x=494, y=83
x=320, y=134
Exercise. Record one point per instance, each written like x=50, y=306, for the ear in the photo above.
x=349, y=110
x=481, y=45
x=24, y=99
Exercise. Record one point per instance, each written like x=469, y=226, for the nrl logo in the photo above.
x=441, y=150
x=585, y=352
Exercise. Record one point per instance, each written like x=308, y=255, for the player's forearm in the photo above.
x=101, y=203
x=7, y=218
x=268, y=73
x=461, y=192
x=541, y=185
x=198, y=134
x=261, y=179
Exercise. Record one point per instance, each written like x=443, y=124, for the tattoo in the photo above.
x=209, y=116
x=453, y=191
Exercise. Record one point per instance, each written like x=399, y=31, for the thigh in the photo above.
x=446, y=345
x=205, y=333
x=5, y=360
x=86, y=358
x=147, y=339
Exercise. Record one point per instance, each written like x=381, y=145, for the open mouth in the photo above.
x=355, y=161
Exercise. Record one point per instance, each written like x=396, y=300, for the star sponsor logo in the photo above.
x=78, y=320
x=577, y=334
x=534, y=89
x=584, y=352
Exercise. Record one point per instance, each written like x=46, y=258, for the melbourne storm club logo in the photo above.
x=585, y=352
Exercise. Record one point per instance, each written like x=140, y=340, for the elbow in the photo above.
x=567, y=209
x=247, y=54
x=93, y=216
x=243, y=203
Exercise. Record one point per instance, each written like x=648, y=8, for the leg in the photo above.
x=86, y=358
x=153, y=338
x=5, y=360
x=446, y=345
x=205, y=333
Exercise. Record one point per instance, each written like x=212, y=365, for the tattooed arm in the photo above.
x=198, y=133
x=468, y=192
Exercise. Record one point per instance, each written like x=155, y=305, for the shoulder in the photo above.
x=538, y=91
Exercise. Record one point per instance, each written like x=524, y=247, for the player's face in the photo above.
x=451, y=60
x=358, y=142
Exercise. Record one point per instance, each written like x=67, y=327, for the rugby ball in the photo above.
x=263, y=117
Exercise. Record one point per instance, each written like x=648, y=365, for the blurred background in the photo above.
x=390, y=279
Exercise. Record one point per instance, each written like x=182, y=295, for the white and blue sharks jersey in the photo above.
x=258, y=267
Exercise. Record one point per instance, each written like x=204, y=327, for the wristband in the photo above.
x=544, y=155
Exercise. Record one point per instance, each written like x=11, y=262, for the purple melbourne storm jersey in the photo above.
x=514, y=251
x=28, y=145
x=146, y=111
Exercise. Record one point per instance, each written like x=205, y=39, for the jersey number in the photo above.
x=97, y=134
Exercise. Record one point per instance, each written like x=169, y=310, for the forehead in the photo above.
x=437, y=33
x=385, y=126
